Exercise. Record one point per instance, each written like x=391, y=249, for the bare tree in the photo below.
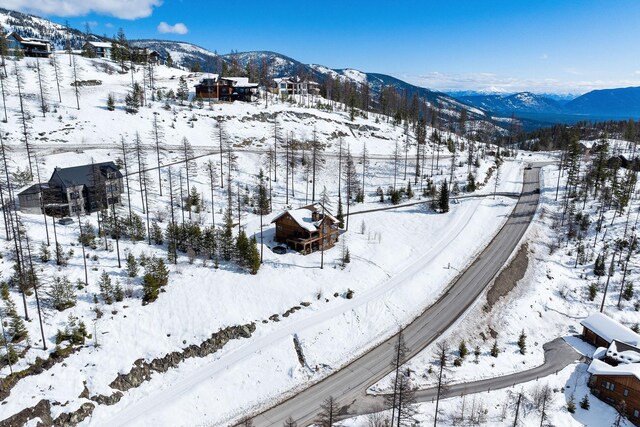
x=442, y=357
x=23, y=114
x=54, y=62
x=328, y=413
x=157, y=134
x=365, y=167
x=317, y=161
x=542, y=397
x=125, y=153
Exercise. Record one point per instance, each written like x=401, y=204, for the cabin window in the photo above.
x=636, y=414
x=625, y=392
x=609, y=386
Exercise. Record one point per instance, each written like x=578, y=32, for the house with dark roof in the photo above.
x=215, y=88
x=78, y=189
x=615, y=364
x=29, y=46
x=307, y=229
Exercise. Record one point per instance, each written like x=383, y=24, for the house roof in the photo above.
x=241, y=81
x=304, y=217
x=100, y=44
x=623, y=353
x=598, y=367
x=29, y=40
x=83, y=175
x=34, y=189
x=610, y=330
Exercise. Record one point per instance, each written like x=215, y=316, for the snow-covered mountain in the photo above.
x=32, y=26
x=522, y=102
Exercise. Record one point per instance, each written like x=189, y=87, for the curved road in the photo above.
x=557, y=356
x=348, y=385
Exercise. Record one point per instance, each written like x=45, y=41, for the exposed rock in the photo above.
x=107, y=400
x=42, y=410
x=142, y=370
x=72, y=419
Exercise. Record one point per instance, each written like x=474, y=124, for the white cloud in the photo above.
x=123, y=9
x=178, y=28
x=495, y=83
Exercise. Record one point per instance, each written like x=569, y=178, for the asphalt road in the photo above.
x=348, y=385
x=557, y=356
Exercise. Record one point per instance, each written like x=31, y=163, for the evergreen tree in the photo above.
x=340, y=214
x=169, y=60
x=495, y=350
x=443, y=199
x=253, y=256
x=599, y=266
x=16, y=329
x=226, y=238
x=462, y=349
x=242, y=248
x=111, y=103
x=522, y=342
x=106, y=288
x=584, y=403
x=132, y=265
x=183, y=90
x=471, y=183
x=62, y=293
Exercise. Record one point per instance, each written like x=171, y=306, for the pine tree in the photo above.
x=132, y=265
x=522, y=342
x=584, y=403
x=242, y=248
x=111, y=103
x=599, y=266
x=183, y=90
x=106, y=288
x=226, y=238
x=340, y=214
x=253, y=256
x=494, y=349
x=443, y=199
x=16, y=330
x=169, y=60
x=462, y=349
x=62, y=293
x=471, y=183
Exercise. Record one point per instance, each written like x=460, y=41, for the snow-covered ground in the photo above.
x=548, y=302
x=400, y=259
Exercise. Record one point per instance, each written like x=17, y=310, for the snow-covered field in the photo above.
x=400, y=259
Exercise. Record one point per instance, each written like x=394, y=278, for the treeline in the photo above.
x=559, y=137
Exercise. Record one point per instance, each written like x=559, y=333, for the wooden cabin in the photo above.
x=615, y=365
x=307, y=229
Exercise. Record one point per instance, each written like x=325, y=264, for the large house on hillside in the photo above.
x=78, y=189
x=307, y=229
x=285, y=86
x=31, y=47
x=216, y=88
x=615, y=365
x=99, y=49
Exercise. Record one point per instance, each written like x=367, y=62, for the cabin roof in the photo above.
x=610, y=330
x=304, y=216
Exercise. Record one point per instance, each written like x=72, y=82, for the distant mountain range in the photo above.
x=535, y=110
x=600, y=104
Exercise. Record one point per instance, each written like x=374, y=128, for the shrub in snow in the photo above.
x=494, y=349
x=584, y=403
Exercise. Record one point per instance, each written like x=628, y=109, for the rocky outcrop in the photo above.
x=43, y=411
x=142, y=370
x=72, y=419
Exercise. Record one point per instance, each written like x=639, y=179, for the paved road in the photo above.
x=557, y=356
x=348, y=385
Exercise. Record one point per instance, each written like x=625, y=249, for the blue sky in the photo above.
x=542, y=46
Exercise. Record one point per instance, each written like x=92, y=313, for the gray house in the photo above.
x=82, y=189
